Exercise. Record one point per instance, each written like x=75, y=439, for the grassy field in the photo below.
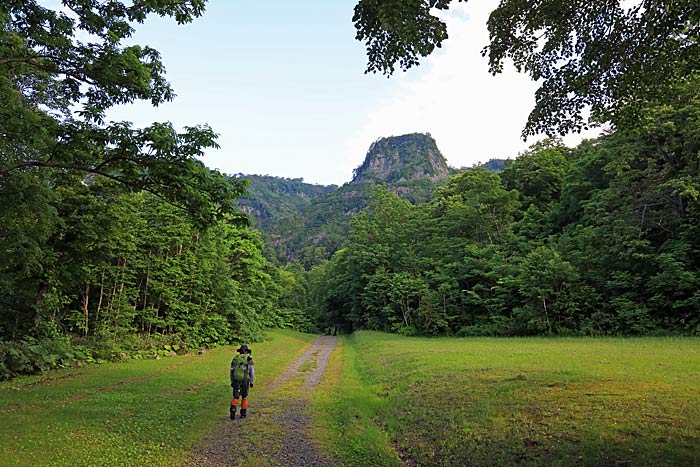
x=385, y=400
x=534, y=402
x=139, y=413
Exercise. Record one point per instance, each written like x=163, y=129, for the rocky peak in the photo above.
x=402, y=158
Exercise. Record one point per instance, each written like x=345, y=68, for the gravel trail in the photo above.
x=278, y=427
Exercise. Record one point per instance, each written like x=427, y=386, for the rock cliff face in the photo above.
x=402, y=158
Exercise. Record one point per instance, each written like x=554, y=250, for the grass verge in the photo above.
x=345, y=412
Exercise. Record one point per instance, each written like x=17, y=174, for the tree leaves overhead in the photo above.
x=599, y=55
x=398, y=31
x=61, y=70
x=77, y=51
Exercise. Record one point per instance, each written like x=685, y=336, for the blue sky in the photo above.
x=283, y=84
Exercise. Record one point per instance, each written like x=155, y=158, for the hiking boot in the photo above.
x=233, y=413
x=244, y=413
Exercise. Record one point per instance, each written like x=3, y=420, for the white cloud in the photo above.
x=473, y=115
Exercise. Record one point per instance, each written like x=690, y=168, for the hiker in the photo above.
x=242, y=377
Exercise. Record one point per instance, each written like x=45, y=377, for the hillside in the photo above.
x=308, y=223
x=271, y=198
x=494, y=165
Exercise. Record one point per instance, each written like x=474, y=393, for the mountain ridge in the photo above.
x=308, y=222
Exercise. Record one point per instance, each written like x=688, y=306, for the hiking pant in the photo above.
x=240, y=388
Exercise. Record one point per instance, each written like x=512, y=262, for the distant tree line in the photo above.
x=84, y=264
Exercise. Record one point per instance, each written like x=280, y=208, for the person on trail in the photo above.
x=242, y=377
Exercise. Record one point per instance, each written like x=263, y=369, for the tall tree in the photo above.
x=60, y=70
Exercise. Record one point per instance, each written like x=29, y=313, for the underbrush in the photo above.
x=31, y=355
x=52, y=350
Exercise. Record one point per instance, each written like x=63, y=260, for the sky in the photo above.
x=283, y=85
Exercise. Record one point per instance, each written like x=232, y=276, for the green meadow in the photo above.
x=138, y=413
x=529, y=401
x=385, y=400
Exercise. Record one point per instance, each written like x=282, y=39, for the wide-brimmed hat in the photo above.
x=243, y=348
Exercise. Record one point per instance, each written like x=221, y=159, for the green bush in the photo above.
x=33, y=355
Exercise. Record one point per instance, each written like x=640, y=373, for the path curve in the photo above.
x=288, y=442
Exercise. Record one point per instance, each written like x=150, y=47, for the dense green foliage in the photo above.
x=114, y=237
x=270, y=198
x=61, y=70
x=320, y=229
x=606, y=56
x=116, y=267
x=299, y=221
x=598, y=239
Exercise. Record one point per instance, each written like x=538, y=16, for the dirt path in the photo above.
x=279, y=425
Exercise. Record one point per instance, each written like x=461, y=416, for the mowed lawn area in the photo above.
x=136, y=413
x=525, y=401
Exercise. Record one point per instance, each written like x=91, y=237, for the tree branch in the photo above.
x=9, y=168
x=87, y=169
x=29, y=60
x=50, y=67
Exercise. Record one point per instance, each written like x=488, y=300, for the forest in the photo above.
x=599, y=239
x=118, y=242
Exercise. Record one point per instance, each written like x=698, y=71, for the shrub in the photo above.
x=34, y=355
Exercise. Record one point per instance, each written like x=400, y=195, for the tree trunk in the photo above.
x=86, y=302
x=119, y=297
x=145, y=291
x=641, y=223
x=99, y=302
x=110, y=299
x=546, y=317
x=160, y=297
